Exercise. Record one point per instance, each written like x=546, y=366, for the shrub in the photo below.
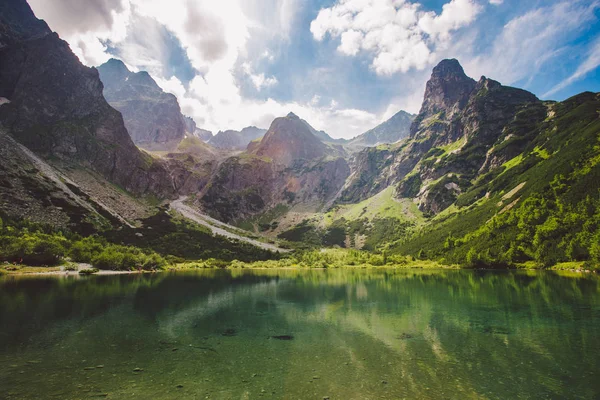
x=33, y=249
x=86, y=249
x=89, y=271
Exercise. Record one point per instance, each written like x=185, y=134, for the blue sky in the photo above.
x=344, y=65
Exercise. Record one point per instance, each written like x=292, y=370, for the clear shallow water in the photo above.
x=357, y=334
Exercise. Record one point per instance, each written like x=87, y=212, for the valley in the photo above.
x=116, y=156
x=299, y=199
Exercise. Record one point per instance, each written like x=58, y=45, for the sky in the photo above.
x=343, y=65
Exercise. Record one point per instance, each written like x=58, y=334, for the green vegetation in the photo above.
x=382, y=205
x=164, y=241
x=374, y=234
x=543, y=206
x=22, y=242
x=266, y=221
x=324, y=258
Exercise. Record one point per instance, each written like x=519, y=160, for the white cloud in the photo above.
x=496, y=2
x=529, y=41
x=85, y=24
x=399, y=34
x=258, y=80
x=591, y=62
x=351, y=42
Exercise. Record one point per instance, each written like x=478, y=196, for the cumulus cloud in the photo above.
x=86, y=24
x=258, y=80
x=400, y=35
x=78, y=16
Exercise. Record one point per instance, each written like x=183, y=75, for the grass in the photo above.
x=449, y=148
x=382, y=205
x=542, y=153
x=512, y=163
x=9, y=269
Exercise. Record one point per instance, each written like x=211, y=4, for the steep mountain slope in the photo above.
x=56, y=108
x=289, y=139
x=537, y=200
x=236, y=140
x=289, y=168
x=152, y=117
x=459, y=122
x=68, y=161
x=394, y=129
x=502, y=178
x=203, y=134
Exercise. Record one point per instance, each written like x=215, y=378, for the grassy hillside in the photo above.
x=543, y=205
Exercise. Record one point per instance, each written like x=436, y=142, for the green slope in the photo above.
x=541, y=206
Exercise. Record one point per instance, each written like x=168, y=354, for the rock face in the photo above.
x=289, y=139
x=390, y=131
x=289, y=167
x=56, y=107
x=462, y=130
x=446, y=94
x=236, y=140
x=203, y=135
x=190, y=125
x=152, y=117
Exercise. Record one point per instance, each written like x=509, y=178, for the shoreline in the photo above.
x=39, y=271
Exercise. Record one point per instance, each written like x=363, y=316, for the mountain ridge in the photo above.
x=152, y=117
x=390, y=131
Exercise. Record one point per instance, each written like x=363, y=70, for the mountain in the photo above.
x=289, y=139
x=192, y=129
x=236, y=140
x=394, y=129
x=289, y=169
x=152, y=117
x=323, y=136
x=490, y=176
x=190, y=125
x=55, y=107
x=459, y=122
x=70, y=166
x=203, y=134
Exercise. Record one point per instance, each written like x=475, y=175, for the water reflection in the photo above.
x=347, y=333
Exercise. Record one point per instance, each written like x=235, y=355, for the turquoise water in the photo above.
x=342, y=334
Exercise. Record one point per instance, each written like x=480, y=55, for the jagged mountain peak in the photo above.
x=236, y=140
x=449, y=67
x=18, y=22
x=394, y=129
x=153, y=118
x=446, y=94
x=288, y=139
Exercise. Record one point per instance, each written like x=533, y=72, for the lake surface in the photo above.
x=342, y=334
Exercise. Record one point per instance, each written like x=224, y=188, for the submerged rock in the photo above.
x=229, y=332
x=283, y=337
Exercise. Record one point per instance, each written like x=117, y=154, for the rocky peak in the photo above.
x=153, y=118
x=236, y=140
x=394, y=129
x=289, y=139
x=57, y=108
x=190, y=125
x=17, y=23
x=115, y=71
x=446, y=93
x=203, y=134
